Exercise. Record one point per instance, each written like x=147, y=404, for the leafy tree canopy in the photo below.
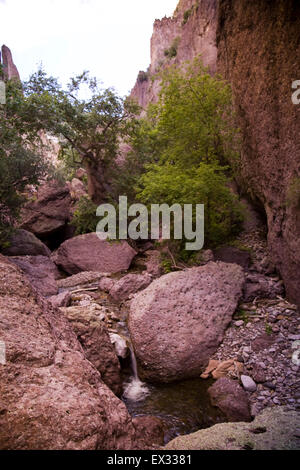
x=192, y=145
x=89, y=128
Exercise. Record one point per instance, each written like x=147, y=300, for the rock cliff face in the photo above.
x=255, y=45
x=259, y=53
x=9, y=68
x=191, y=31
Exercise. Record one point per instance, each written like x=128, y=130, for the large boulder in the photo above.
x=41, y=271
x=80, y=280
x=88, y=324
x=23, y=243
x=231, y=399
x=177, y=323
x=49, y=212
x=122, y=289
x=273, y=429
x=89, y=253
x=51, y=396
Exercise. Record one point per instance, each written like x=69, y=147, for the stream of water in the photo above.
x=184, y=407
x=134, y=389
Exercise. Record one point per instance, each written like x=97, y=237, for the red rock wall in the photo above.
x=9, y=68
x=256, y=46
x=196, y=36
x=259, y=53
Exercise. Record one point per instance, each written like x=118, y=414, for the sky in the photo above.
x=110, y=38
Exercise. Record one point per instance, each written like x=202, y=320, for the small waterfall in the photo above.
x=135, y=389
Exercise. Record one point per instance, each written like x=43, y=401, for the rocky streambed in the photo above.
x=260, y=337
x=182, y=407
x=133, y=359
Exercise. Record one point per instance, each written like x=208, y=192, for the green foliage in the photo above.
x=268, y=329
x=205, y=184
x=166, y=265
x=189, y=145
x=84, y=218
x=69, y=163
x=144, y=149
x=242, y=315
x=293, y=194
x=89, y=129
x=195, y=119
x=172, y=51
x=186, y=16
x=21, y=161
x=143, y=76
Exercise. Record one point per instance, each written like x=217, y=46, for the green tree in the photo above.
x=21, y=161
x=88, y=128
x=195, y=149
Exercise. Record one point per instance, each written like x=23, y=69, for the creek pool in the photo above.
x=184, y=407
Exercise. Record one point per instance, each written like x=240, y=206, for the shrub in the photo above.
x=172, y=51
x=143, y=76
x=84, y=219
x=293, y=193
x=186, y=16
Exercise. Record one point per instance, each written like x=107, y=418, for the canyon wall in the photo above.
x=259, y=53
x=191, y=31
x=256, y=46
x=9, y=69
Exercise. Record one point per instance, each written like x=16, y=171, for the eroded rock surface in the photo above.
x=193, y=30
x=89, y=326
x=274, y=429
x=252, y=40
x=130, y=284
x=49, y=212
x=41, y=272
x=178, y=322
x=23, y=243
x=51, y=397
x=9, y=68
x=231, y=399
x=89, y=253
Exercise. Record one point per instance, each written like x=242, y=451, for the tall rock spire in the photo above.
x=9, y=68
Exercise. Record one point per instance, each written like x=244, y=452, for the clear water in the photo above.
x=184, y=407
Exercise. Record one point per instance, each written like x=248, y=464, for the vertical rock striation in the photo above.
x=259, y=53
x=191, y=31
x=9, y=68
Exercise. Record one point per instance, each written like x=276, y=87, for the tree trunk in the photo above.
x=98, y=186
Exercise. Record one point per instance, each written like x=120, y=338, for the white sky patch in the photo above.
x=110, y=38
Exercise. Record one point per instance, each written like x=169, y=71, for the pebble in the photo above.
x=274, y=364
x=294, y=337
x=248, y=383
x=269, y=385
x=239, y=323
